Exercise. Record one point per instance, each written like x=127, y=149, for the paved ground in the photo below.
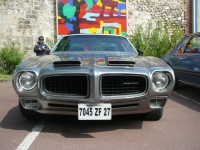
x=189, y=92
x=178, y=129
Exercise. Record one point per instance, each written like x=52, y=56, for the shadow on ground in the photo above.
x=189, y=92
x=70, y=126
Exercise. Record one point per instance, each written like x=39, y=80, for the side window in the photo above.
x=182, y=47
x=193, y=46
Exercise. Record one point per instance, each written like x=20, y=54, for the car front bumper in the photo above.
x=70, y=107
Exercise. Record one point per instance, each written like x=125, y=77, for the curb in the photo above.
x=5, y=80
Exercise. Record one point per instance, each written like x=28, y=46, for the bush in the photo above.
x=10, y=57
x=156, y=39
x=50, y=42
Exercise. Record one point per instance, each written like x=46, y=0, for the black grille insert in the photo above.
x=69, y=85
x=113, y=85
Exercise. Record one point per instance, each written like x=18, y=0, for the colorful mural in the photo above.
x=91, y=16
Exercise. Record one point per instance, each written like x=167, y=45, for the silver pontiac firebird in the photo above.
x=93, y=77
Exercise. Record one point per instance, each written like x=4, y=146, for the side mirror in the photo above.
x=140, y=52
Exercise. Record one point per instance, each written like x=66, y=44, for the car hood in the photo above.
x=93, y=59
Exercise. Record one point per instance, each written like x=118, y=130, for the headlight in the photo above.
x=160, y=80
x=27, y=80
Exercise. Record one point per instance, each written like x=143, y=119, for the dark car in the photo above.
x=185, y=60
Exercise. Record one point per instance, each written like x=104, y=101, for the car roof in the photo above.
x=94, y=35
x=194, y=34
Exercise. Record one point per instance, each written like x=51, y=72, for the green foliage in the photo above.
x=50, y=42
x=10, y=57
x=3, y=76
x=156, y=39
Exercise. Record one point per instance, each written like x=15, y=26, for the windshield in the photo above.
x=94, y=43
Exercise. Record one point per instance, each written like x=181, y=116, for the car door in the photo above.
x=186, y=61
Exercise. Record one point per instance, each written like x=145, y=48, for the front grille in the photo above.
x=113, y=85
x=72, y=85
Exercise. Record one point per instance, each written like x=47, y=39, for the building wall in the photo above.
x=24, y=20
x=141, y=11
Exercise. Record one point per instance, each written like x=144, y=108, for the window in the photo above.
x=94, y=43
x=193, y=46
x=182, y=46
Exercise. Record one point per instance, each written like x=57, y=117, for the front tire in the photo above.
x=29, y=114
x=154, y=115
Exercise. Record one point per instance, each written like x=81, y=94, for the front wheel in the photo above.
x=29, y=114
x=154, y=115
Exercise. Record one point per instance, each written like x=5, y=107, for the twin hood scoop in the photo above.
x=94, y=60
x=109, y=63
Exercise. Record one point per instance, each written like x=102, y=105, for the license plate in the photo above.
x=91, y=111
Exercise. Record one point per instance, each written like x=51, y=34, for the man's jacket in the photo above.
x=44, y=49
